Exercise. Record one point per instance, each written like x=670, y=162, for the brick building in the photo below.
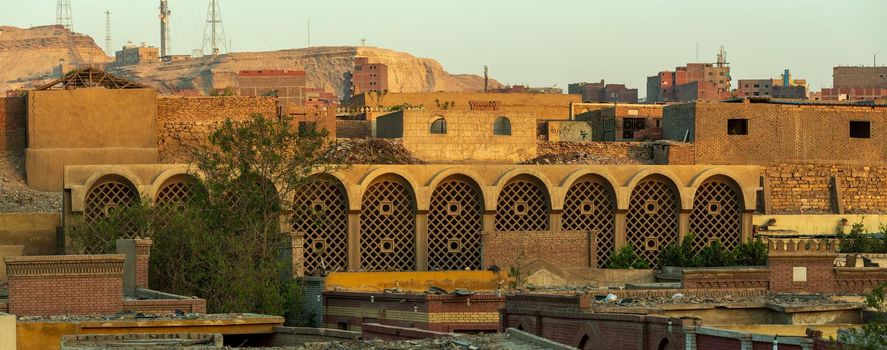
x=762, y=131
x=602, y=92
x=523, y=89
x=619, y=121
x=714, y=83
x=132, y=54
x=365, y=77
x=857, y=83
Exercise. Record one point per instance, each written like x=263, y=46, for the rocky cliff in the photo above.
x=29, y=55
x=325, y=67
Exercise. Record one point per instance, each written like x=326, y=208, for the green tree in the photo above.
x=872, y=335
x=226, y=243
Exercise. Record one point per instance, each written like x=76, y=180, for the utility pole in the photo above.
x=214, y=32
x=108, y=45
x=165, y=48
x=63, y=15
x=309, y=31
x=363, y=42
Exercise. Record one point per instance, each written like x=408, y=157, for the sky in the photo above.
x=530, y=42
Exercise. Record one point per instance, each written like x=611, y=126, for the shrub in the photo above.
x=872, y=335
x=751, y=253
x=859, y=240
x=626, y=258
x=714, y=255
x=679, y=255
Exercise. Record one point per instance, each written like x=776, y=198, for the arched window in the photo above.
x=439, y=126
x=502, y=126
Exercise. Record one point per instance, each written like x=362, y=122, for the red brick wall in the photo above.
x=820, y=274
x=67, y=284
x=560, y=248
x=165, y=305
x=143, y=254
x=859, y=280
x=12, y=124
x=712, y=342
x=726, y=278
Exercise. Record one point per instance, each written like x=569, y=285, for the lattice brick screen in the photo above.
x=102, y=200
x=387, y=227
x=652, y=218
x=454, y=227
x=716, y=215
x=590, y=205
x=522, y=206
x=320, y=211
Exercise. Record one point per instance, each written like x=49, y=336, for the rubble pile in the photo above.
x=593, y=153
x=373, y=151
x=16, y=196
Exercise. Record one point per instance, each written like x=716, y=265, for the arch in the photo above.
x=686, y=201
x=588, y=337
x=455, y=223
x=388, y=224
x=523, y=204
x=121, y=172
x=502, y=126
x=177, y=188
x=439, y=126
x=748, y=195
x=664, y=344
x=607, y=176
x=320, y=213
x=590, y=205
x=107, y=194
x=651, y=222
x=717, y=213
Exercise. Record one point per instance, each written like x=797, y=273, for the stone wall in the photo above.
x=12, y=124
x=543, y=106
x=185, y=122
x=809, y=188
x=469, y=135
x=559, y=248
x=66, y=284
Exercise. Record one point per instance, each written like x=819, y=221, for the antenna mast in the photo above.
x=165, y=48
x=63, y=15
x=214, y=32
x=108, y=45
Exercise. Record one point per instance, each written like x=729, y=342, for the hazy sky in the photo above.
x=540, y=42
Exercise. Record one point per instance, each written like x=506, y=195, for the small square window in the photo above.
x=454, y=208
x=713, y=207
x=386, y=208
x=386, y=245
x=521, y=208
x=454, y=245
x=586, y=208
x=318, y=246
x=651, y=244
x=860, y=129
x=651, y=207
x=737, y=126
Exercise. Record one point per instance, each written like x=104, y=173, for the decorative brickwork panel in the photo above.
x=716, y=215
x=454, y=226
x=66, y=284
x=320, y=211
x=720, y=279
x=560, y=248
x=590, y=205
x=388, y=227
x=652, y=218
x=522, y=206
x=105, y=197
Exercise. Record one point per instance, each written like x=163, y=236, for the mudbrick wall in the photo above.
x=184, y=122
x=12, y=124
x=353, y=129
x=559, y=248
x=808, y=188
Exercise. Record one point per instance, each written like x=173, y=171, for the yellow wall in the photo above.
x=7, y=332
x=414, y=281
x=36, y=231
x=544, y=106
x=821, y=223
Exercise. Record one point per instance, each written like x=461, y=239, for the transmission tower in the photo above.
x=164, y=28
x=63, y=15
x=108, y=45
x=214, y=32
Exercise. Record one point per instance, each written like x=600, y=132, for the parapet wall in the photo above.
x=517, y=248
x=811, y=188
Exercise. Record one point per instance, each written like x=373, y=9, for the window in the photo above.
x=439, y=126
x=737, y=126
x=860, y=129
x=502, y=126
x=757, y=85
